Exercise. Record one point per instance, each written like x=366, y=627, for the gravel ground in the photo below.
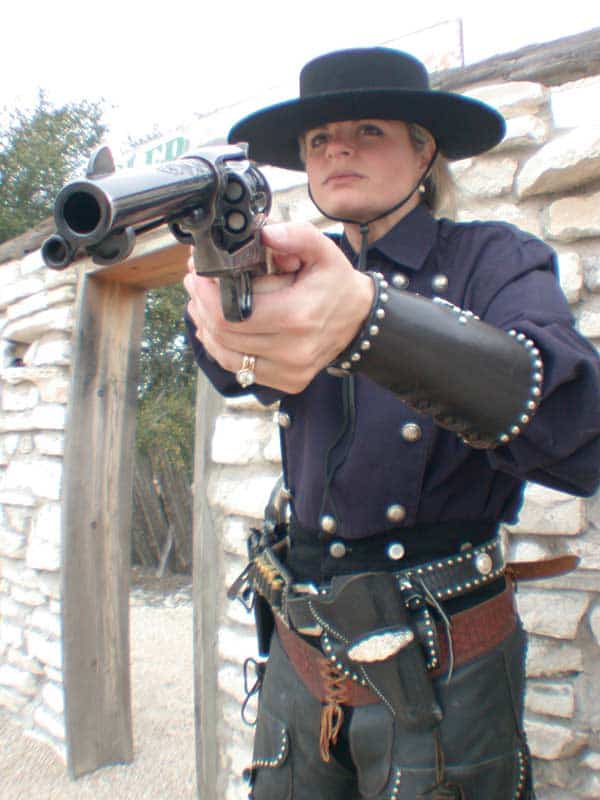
x=163, y=716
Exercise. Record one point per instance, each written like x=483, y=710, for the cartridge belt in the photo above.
x=442, y=579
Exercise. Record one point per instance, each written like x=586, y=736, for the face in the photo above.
x=359, y=168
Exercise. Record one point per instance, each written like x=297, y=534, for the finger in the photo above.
x=271, y=283
x=190, y=262
x=286, y=262
x=296, y=239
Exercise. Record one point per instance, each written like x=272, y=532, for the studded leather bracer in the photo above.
x=474, y=379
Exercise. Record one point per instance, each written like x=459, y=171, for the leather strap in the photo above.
x=544, y=568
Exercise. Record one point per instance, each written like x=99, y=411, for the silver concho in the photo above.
x=483, y=563
x=380, y=646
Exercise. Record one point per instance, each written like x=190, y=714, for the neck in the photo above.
x=379, y=227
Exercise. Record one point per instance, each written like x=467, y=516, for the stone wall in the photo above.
x=545, y=178
x=36, y=318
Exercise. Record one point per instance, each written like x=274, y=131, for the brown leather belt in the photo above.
x=474, y=632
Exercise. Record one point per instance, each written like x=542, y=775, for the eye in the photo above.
x=370, y=129
x=316, y=140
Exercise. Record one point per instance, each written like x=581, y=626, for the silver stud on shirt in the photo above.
x=395, y=512
x=328, y=523
x=399, y=280
x=439, y=283
x=411, y=432
x=396, y=551
x=337, y=549
x=284, y=420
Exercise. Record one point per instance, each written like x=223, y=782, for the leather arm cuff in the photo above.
x=475, y=379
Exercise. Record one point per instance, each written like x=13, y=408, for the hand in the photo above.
x=302, y=318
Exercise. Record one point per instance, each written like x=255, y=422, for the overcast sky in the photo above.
x=156, y=64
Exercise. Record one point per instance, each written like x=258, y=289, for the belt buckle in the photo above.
x=307, y=588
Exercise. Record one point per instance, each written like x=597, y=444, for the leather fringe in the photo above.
x=332, y=713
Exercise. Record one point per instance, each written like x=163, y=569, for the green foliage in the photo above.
x=166, y=389
x=39, y=152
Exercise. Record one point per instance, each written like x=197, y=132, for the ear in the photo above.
x=427, y=152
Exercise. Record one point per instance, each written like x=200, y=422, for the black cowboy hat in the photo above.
x=368, y=83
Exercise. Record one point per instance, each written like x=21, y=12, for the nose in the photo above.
x=339, y=144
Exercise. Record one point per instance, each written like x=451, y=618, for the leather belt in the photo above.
x=475, y=631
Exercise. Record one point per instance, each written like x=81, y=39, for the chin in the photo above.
x=352, y=211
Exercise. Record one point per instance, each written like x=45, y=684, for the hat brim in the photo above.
x=461, y=126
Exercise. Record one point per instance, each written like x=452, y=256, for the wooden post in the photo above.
x=206, y=588
x=97, y=501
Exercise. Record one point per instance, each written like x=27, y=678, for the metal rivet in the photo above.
x=284, y=420
x=395, y=512
x=400, y=281
x=337, y=549
x=328, y=523
x=439, y=283
x=411, y=432
x=484, y=563
x=396, y=551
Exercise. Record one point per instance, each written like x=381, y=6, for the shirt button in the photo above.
x=395, y=512
x=328, y=523
x=411, y=432
x=399, y=280
x=439, y=283
x=283, y=419
x=396, y=551
x=337, y=549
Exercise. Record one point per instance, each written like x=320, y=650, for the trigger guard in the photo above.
x=236, y=296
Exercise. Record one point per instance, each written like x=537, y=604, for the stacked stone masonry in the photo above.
x=36, y=320
x=545, y=177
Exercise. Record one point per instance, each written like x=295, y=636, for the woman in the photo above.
x=423, y=370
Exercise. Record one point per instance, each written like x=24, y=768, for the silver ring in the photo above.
x=245, y=375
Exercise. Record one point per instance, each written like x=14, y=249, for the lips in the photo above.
x=341, y=176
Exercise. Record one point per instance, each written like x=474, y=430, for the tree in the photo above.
x=39, y=152
x=166, y=389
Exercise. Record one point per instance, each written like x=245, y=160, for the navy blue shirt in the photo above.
x=400, y=459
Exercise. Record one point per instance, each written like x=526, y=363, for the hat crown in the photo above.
x=362, y=70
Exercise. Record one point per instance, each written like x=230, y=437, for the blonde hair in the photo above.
x=440, y=192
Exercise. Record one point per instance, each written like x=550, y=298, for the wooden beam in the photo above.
x=157, y=260
x=207, y=588
x=550, y=63
x=97, y=500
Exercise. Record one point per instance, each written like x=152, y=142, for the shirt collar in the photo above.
x=409, y=242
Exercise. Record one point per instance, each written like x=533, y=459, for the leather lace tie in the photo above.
x=332, y=713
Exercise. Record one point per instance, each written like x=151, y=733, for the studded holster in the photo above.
x=473, y=378
x=368, y=634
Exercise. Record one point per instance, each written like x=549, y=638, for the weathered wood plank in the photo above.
x=97, y=499
x=206, y=587
x=550, y=63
